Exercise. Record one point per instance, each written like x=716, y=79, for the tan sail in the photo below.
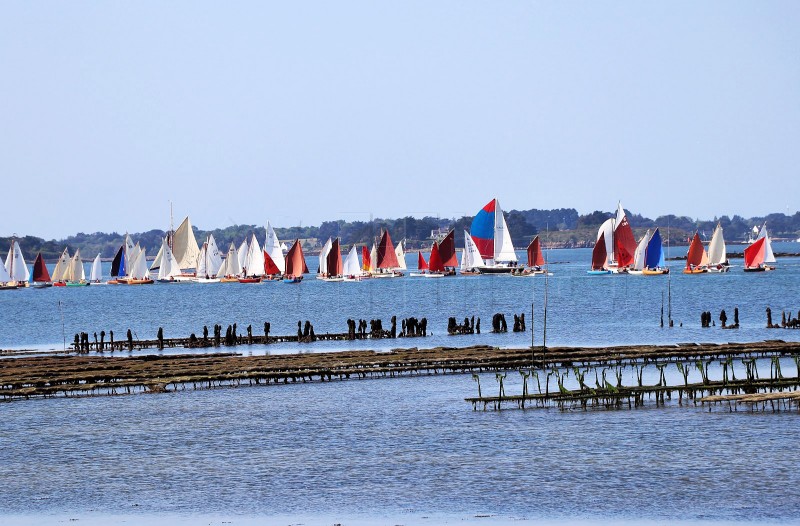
x=184, y=245
x=62, y=267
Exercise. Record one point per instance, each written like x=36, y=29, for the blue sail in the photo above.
x=654, y=254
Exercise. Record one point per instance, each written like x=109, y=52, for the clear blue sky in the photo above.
x=296, y=112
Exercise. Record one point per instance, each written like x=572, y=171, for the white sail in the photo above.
x=157, y=262
x=128, y=253
x=201, y=266
x=717, y=254
x=97, y=269
x=241, y=254
x=401, y=256
x=373, y=258
x=213, y=257
x=275, y=248
x=471, y=257
x=61, y=267
x=638, y=256
x=503, y=248
x=169, y=264
x=351, y=266
x=607, y=229
x=231, y=265
x=769, y=256
x=134, y=255
x=4, y=277
x=15, y=263
x=323, y=257
x=76, y=271
x=184, y=245
x=139, y=268
x=254, y=262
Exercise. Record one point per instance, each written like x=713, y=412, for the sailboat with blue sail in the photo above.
x=654, y=256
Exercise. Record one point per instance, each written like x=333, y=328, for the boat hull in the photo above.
x=599, y=272
x=655, y=272
x=250, y=280
x=695, y=270
x=138, y=282
x=760, y=268
x=495, y=269
x=41, y=285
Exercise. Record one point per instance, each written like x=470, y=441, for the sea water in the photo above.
x=401, y=451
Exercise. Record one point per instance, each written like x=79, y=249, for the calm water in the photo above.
x=398, y=451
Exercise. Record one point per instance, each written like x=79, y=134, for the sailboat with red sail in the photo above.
x=386, y=264
x=422, y=267
x=535, y=261
x=447, y=253
x=41, y=276
x=599, y=257
x=696, y=257
x=759, y=254
x=295, y=264
x=334, y=264
x=619, y=244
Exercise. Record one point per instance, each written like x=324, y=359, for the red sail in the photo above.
x=625, y=243
x=599, y=253
x=295, y=262
x=335, y=259
x=270, y=268
x=421, y=264
x=366, y=259
x=694, y=258
x=535, y=258
x=447, y=250
x=754, y=254
x=435, y=263
x=386, y=256
x=40, y=272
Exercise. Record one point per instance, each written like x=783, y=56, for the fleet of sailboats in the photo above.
x=487, y=249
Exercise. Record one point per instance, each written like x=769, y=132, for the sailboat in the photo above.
x=184, y=249
x=334, y=269
x=599, y=257
x=77, y=275
x=322, y=269
x=41, y=277
x=639, y=254
x=535, y=260
x=253, y=268
x=5, y=280
x=208, y=262
x=61, y=269
x=654, y=256
x=295, y=264
x=696, y=257
x=138, y=273
x=717, y=252
x=230, y=269
x=758, y=255
x=274, y=264
x=366, y=261
x=16, y=267
x=490, y=233
x=471, y=258
x=422, y=267
x=169, y=269
x=401, y=255
x=447, y=252
x=620, y=244
x=351, y=268
x=386, y=259
x=96, y=274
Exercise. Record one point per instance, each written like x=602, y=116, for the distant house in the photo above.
x=438, y=234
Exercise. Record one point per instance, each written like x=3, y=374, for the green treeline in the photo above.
x=560, y=227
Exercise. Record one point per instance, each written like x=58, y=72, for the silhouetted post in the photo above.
x=111, y=339
x=102, y=338
x=478, y=326
x=130, y=340
x=160, y=339
x=205, y=333
x=723, y=318
x=736, y=316
x=769, y=318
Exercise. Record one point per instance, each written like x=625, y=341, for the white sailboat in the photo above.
x=96, y=274
x=184, y=246
x=253, y=266
x=208, y=262
x=241, y=254
x=351, y=270
x=401, y=255
x=139, y=274
x=62, y=268
x=76, y=274
x=717, y=252
x=5, y=279
x=638, y=256
x=169, y=269
x=323, y=259
x=471, y=258
x=230, y=269
x=15, y=265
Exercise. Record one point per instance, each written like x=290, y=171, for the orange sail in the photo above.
x=295, y=262
x=754, y=254
x=599, y=253
x=625, y=243
x=366, y=259
x=435, y=263
x=535, y=258
x=447, y=250
x=335, y=259
x=696, y=254
x=421, y=263
x=386, y=254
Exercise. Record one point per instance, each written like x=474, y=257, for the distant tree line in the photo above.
x=565, y=227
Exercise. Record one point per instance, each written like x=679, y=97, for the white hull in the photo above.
x=207, y=280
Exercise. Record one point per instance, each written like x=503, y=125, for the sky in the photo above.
x=301, y=112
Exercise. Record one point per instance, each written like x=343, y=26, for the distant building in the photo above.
x=438, y=234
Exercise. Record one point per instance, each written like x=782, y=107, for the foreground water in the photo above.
x=402, y=451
